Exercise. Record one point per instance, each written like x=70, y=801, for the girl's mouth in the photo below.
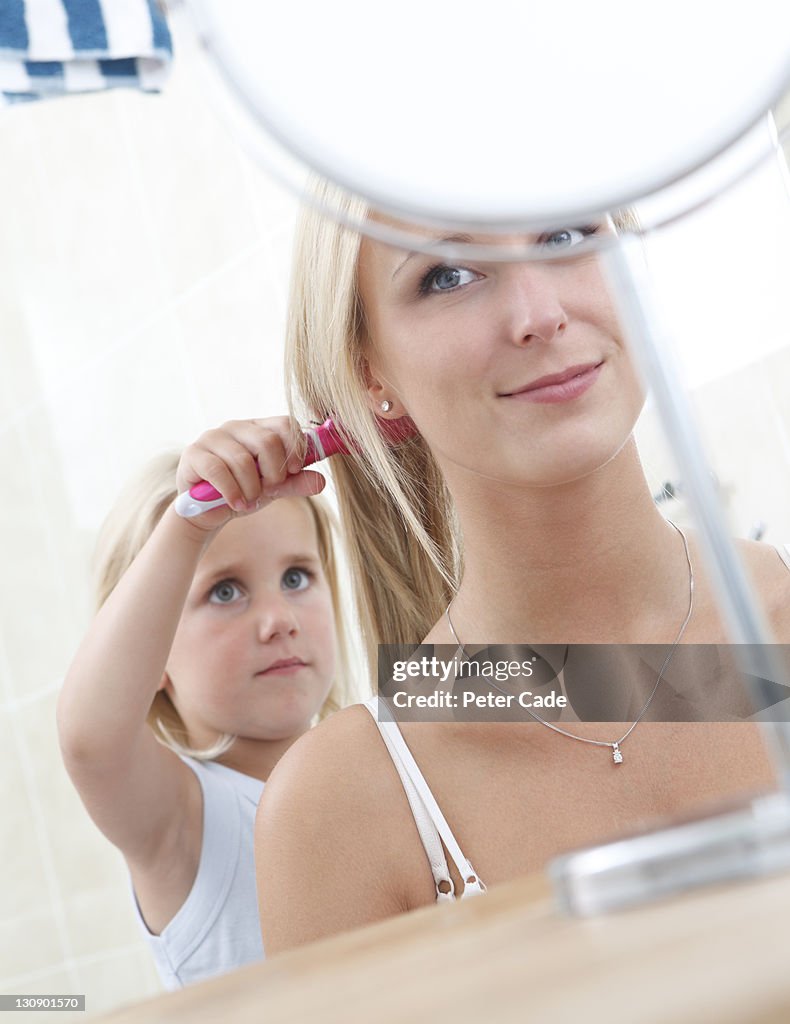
x=283, y=667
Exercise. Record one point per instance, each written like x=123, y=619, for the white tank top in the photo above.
x=216, y=928
x=431, y=823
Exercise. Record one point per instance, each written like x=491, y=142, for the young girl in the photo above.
x=222, y=632
x=519, y=513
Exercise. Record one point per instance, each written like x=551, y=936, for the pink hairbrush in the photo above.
x=322, y=442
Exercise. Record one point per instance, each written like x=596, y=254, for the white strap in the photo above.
x=783, y=551
x=428, y=817
x=445, y=890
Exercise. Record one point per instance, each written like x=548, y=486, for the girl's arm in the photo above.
x=139, y=793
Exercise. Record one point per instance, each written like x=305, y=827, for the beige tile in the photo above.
x=122, y=201
x=90, y=881
x=39, y=605
x=39, y=643
x=18, y=172
x=233, y=328
x=24, y=891
x=82, y=254
x=26, y=231
x=195, y=189
x=58, y=981
x=118, y=980
x=273, y=207
x=100, y=918
x=30, y=944
x=83, y=860
x=279, y=249
x=20, y=381
x=113, y=419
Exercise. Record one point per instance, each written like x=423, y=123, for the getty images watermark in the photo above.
x=579, y=682
x=427, y=668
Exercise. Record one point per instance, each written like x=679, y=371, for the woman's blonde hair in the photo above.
x=131, y=522
x=402, y=537
x=397, y=514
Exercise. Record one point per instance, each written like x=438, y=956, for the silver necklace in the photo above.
x=617, y=755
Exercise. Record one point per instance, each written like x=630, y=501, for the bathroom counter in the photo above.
x=717, y=955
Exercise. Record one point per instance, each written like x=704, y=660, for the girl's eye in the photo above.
x=566, y=238
x=296, y=579
x=446, y=279
x=224, y=592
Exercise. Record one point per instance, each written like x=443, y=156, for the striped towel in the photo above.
x=54, y=47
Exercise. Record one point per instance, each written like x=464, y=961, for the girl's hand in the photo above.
x=251, y=463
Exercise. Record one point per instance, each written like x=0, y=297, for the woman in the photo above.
x=524, y=397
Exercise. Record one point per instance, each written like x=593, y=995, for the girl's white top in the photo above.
x=217, y=927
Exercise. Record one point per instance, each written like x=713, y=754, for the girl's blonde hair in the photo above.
x=402, y=537
x=131, y=522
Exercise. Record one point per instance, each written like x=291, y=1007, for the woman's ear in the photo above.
x=382, y=398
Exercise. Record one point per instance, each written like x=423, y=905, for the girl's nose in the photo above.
x=276, y=618
x=536, y=310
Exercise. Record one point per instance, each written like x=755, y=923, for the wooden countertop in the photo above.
x=718, y=956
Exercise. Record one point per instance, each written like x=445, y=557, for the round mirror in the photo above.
x=532, y=114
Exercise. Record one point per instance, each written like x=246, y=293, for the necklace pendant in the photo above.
x=617, y=756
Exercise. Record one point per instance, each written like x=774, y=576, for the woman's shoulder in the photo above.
x=330, y=830
x=339, y=762
x=338, y=738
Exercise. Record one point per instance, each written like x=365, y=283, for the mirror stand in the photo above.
x=750, y=838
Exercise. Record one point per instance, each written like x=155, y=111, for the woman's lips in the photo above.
x=284, y=667
x=559, y=387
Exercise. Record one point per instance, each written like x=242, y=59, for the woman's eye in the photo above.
x=446, y=279
x=296, y=579
x=566, y=238
x=224, y=592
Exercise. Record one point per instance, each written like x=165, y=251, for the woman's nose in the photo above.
x=276, y=618
x=534, y=303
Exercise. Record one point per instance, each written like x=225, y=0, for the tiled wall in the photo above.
x=142, y=298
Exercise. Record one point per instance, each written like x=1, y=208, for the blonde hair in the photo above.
x=131, y=522
x=398, y=517
x=402, y=537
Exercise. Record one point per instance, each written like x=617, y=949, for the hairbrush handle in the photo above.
x=322, y=442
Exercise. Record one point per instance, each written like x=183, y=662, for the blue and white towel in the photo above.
x=55, y=47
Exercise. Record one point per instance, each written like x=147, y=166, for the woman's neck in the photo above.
x=591, y=561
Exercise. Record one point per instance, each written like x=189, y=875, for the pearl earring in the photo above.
x=386, y=406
